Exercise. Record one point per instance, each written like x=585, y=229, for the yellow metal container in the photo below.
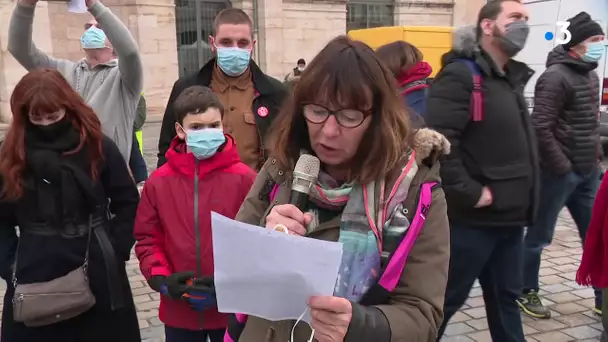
x=432, y=41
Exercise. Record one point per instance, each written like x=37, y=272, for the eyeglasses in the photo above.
x=347, y=118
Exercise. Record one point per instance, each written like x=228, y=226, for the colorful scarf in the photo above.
x=363, y=228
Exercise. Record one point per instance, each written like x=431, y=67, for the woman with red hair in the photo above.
x=593, y=270
x=68, y=190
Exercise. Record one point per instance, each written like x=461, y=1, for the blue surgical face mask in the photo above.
x=233, y=60
x=594, y=53
x=203, y=143
x=93, y=38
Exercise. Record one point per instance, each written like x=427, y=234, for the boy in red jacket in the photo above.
x=173, y=236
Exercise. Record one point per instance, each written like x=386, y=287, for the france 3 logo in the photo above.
x=563, y=35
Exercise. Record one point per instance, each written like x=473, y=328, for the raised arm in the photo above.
x=20, y=43
x=129, y=60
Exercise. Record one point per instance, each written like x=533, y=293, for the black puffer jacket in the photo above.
x=498, y=152
x=565, y=116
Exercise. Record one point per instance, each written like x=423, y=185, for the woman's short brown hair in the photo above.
x=399, y=56
x=346, y=74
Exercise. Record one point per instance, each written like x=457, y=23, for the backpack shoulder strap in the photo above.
x=396, y=265
x=477, y=95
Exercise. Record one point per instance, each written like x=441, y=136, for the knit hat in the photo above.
x=582, y=27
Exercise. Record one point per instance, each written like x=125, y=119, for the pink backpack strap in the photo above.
x=396, y=265
x=236, y=324
x=477, y=94
x=273, y=192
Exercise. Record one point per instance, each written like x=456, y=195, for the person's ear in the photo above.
x=487, y=27
x=212, y=43
x=179, y=130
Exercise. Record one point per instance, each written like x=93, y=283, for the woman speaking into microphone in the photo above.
x=377, y=193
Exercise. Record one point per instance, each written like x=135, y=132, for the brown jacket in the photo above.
x=415, y=308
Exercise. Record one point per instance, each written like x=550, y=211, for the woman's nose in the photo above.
x=331, y=128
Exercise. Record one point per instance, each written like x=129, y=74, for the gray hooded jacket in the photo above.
x=112, y=89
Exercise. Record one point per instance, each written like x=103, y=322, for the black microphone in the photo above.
x=305, y=175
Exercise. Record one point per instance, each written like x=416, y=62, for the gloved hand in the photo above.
x=173, y=286
x=200, y=294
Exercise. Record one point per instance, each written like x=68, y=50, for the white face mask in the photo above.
x=301, y=68
x=312, y=334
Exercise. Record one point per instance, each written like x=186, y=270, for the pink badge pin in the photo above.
x=263, y=112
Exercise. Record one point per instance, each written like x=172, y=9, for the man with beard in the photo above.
x=490, y=177
x=251, y=98
x=565, y=116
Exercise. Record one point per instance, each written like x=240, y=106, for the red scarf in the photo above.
x=420, y=71
x=594, y=265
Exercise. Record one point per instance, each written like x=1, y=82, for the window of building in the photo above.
x=362, y=14
x=194, y=21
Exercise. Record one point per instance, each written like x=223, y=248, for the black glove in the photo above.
x=176, y=284
x=200, y=295
x=156, y=283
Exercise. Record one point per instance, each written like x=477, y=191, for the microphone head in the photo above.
x=305, y=173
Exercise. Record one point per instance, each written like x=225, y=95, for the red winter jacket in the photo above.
x=164, y=226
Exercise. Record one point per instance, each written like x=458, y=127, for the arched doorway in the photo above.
x=194, y=24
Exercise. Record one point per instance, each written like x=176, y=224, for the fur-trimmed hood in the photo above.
x=464, y=44
x=430, y=144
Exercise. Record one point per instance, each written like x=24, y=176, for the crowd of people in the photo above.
x=427, y=185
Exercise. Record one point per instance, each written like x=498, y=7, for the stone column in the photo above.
x=308, y=26
x=11, y=71
x=57, y=32
x=152, y=23
x=466, y=11
x=270, y=35
x=424, y=12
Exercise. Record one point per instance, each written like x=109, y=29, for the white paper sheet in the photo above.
x=270, y=274
x=77, y=6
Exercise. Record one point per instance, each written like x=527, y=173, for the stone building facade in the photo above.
x=286, y=30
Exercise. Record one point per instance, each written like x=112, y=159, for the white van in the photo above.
x=544, y=16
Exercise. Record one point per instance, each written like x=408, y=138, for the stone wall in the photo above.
x=287, y=30
x=424, y=12
x=11, y=71
x=57, y=32
x=308, y=26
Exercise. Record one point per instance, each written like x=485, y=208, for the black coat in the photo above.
x=43, y=257
x=272, y=93
x=565, y=116
x=498, y=152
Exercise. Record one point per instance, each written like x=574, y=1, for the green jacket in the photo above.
x=140, y=114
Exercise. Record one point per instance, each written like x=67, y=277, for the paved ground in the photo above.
x=572, y=319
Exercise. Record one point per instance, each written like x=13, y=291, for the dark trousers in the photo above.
x=137, y=164
x=183, y=335
x=492, y=255
x=573, y=191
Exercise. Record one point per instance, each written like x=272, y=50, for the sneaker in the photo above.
x=597, y=311
x=532, y=306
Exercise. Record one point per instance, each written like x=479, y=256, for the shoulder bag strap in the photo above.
x=396, y=265
x=85, y=264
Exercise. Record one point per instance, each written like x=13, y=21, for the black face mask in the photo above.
x=50, y=132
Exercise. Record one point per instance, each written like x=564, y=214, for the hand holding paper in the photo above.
x=270, y=274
